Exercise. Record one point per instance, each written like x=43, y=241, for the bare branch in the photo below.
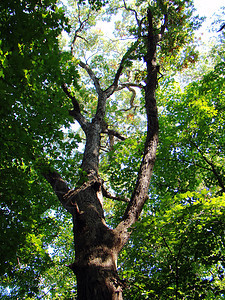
x=102, y=96
x=76, y=105
x=108, y=195
x=76, y=108
x=111, y=89
x=112, y=133
x=82, y=38
x=129, y=84
x=80, y=28
x=221, y=28
x=139, y=22
x=116, y=134
x=134, y=11
x=132, y=97
x=92, y=76
x=163, y=27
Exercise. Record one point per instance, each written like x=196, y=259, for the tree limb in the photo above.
x=81, y=27
x=131, y=99
x=130, y=84
x=213, y=168
x=140, y=193
x=134, y=11
x=60, y=188
x=139, y=22
x=163, y=27
x=112, y=133
x=221, y=28
x=92, y=76
x=108, y=195
x=111, y=89
x=116, y=134
x=76, y=113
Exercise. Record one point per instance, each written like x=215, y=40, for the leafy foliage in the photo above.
x=180, y=252
x=33, y=111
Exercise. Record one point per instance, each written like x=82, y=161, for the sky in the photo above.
x=208, y=8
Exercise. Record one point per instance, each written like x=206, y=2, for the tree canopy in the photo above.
x=60, y=63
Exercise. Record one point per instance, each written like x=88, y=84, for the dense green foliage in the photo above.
x=177, y=249
x=180, y=251
x=33, y=111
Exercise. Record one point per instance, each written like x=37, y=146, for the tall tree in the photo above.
x=168, y=24
x=97, y=246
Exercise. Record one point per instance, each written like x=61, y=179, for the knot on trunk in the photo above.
x=96, y=183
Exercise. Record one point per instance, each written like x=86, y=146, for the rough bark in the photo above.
x=95, y=246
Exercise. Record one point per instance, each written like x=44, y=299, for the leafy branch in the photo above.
x=213, y=168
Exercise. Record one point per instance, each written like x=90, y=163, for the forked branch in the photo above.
x=112, y=88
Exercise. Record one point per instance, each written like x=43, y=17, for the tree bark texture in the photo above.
x=96, y=245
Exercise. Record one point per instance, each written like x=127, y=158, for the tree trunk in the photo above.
x=96, y=246
x=98, y=283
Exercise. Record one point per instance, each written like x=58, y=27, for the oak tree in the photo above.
x=43, y=89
